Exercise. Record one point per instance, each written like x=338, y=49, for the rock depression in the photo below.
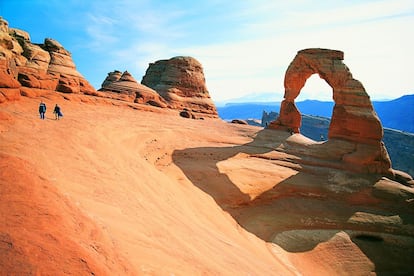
x=355, y=132
x=180, y=81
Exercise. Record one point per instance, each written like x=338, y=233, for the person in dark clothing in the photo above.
x=42, y=110
x=57, y=112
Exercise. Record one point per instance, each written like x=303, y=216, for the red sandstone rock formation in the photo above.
x=180, y=81
x=127, y=88
x=9, y=86
x=32, y=69
x=111, y=78
x=353, y=120
x=46, y=66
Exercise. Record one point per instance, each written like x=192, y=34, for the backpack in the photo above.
x=42, y=107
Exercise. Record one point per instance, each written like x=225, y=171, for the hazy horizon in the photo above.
x=271, y=98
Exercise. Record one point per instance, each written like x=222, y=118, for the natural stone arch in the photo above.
x=353, y=119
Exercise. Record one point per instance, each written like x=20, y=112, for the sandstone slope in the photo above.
x=117, y=188
x=91, y=183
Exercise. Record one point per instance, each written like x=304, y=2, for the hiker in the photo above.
x=57, y=112
x=42, y=110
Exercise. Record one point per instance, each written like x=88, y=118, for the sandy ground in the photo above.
x=122, y=189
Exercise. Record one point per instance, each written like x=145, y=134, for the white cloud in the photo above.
x=99, y=31
x=377, y=50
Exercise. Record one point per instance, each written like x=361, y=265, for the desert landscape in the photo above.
x=145, y=179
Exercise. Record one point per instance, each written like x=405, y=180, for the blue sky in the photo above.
x=245, y=46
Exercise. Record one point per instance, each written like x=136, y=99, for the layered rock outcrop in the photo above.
x=127, y=88
x=31, y=69
x=180, y=81
x=47, y=66
x=354, y=120
x=9, y=86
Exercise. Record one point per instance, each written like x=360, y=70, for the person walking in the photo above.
x=57, y=112
x=42, y=110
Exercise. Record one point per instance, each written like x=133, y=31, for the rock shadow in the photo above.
x=200, y=166
x=290, y=203
x=298, y=212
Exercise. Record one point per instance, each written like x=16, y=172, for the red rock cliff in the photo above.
x=47, y=66
x=180, y=81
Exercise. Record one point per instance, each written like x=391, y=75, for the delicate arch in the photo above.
x=353, y=118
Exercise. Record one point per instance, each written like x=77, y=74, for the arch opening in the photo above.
x=315, y=88
x=316, y=106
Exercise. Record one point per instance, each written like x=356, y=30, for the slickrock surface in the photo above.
x=354, y=120
x=118, y=188
x=180, y=81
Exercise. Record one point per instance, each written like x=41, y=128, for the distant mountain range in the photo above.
x=395, y=114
